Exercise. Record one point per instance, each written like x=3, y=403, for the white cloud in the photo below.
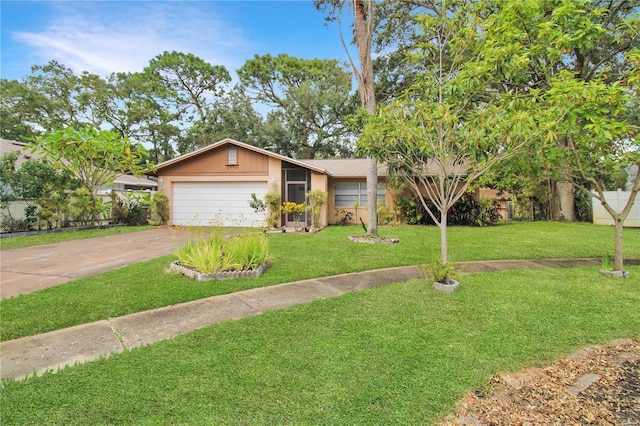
x=106, y=37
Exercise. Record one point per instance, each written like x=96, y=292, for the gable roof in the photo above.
x=241, y=145
x=7, y=146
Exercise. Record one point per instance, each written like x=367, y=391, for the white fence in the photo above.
x=617, y=200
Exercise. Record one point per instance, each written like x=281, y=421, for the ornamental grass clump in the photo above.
x=215, y=254
x=204, y=255
x=249, y=251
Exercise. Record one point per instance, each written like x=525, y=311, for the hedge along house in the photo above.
x=213, y=185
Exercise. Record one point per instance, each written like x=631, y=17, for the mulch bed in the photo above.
x=598, y=385
x=373, y=240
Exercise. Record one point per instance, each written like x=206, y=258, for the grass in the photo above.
x=56, y=237
x=146, y=286
x=401, y=354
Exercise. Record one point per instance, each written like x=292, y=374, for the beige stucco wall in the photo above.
x=320, y=182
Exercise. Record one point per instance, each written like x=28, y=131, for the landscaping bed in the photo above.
x=597, y=385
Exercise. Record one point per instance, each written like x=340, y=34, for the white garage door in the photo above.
x=217, y=203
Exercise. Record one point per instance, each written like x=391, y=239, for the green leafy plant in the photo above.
x=386, y=214
x=95, y=157
x=53, y=209
x=85, y=209
x=273, y=203
x=160, y=207
x=316, y=199
x=256, y=204
x=607, y=262
x=439, y=271
x=248, y=251
x=125, y=208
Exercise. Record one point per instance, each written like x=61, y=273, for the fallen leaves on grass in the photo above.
x=598, y=385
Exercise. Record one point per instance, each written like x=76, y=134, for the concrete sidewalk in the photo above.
x=86, y=342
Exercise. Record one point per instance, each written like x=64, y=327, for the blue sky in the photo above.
x=116, y=36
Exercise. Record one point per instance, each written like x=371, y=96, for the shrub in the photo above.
x=465, y=212
x=273, y=203
x=316, y=199
x=257, y=205
x=53, y=209
x=160, y=206
x=385, y=214
x=410, y=209
x=488, y=211
x=127, y=207
x=9, y=224
x=215, y=254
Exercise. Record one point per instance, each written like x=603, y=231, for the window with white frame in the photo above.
x=232, y=156
x=347, y=193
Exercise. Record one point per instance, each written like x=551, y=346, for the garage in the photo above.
x=217, y=203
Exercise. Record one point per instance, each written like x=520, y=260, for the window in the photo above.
x=232, y=156
x=347, y=193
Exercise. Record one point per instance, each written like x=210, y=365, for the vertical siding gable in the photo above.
x=215, y=163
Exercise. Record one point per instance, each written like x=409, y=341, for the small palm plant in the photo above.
x=439, y=272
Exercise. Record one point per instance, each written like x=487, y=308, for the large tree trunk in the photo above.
x=563, y=201
x=372, y=196
x=364, y=15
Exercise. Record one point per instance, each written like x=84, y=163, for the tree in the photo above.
x=600, y=142
x=121, y=101
x=585, y=38
x=364, y=24
x=35, y=180
x=95, y=157
x=449, y=128
x=53, y=97
x=15, y=111
x=232, y=116
x=190, y=82
x=311, y=98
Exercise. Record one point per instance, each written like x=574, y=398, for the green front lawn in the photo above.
x=146, y=286
x=400, y=354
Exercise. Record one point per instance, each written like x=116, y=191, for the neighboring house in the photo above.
x=213, y=185
x=122, y=183
x=130, y=183
x=7, y=146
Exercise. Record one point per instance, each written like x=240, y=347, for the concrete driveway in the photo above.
x=33, y=268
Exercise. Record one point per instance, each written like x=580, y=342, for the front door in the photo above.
x=296, y=193
x=297, y=182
